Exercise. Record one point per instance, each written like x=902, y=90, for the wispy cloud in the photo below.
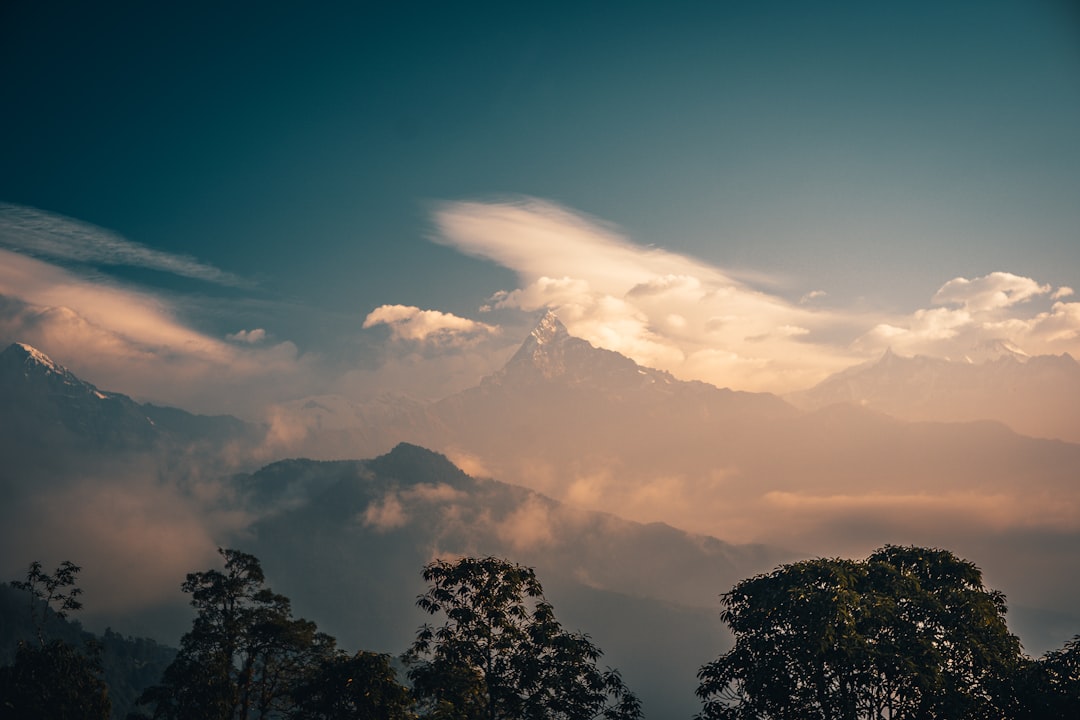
x=56, y=237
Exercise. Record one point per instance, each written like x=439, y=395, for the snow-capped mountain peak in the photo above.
x=997, y=349
x=551, y=352
x=548, y=330
x=31, y=355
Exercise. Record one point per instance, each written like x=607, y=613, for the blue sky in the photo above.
x=266, y=202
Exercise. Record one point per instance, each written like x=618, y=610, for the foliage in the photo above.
x=54, y=679
x=244, y=652
x=363, y=686
x=1049, y=688
x=908, y=633
x=54, y=593
x=502, y=654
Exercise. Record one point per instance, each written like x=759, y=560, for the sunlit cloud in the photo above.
x=998, y=306
x=1062, y=292
x=56, y=237
x=128, y=340
x=990, y=292
x=427, y=326
x=698, y=321
x=138, y=317
x=662, y=309
x=385, y=514
x=528, y=526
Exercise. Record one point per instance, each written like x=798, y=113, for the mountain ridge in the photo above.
x=49, y=411
x=1038, y=396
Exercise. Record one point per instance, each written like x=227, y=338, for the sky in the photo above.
x=227, y=207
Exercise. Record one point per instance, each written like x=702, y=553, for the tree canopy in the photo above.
x=908, y=633
x=244, y=651
x=501, y=654
x=363, y=686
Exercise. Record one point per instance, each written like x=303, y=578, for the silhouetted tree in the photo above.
x=501, y=654
x=244, y=653
x=53, y=680
x=908, y=633
x=1049, y=688
x=50, y=594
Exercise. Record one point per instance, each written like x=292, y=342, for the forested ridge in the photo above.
x=909, y=632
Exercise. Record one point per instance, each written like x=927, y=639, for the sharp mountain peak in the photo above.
x=28, y=355
x=551, y=352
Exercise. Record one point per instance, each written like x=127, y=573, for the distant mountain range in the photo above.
x=1037, y=396
x=592, y=428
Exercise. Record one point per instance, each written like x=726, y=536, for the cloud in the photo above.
x=658, y=307
x=251, y=337
x=990, y=292
x=53, y=236
x=129, y=340
x=427, y=326
x=528, y=526
x=699, y=321
x=997, y=306
x=134, y=531
x=386, y=514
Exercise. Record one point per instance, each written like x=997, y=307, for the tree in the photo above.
x=244, y=653
x=363, y=686
x=501, y=654
x=53, y=680
x=51, y=594
x=1049, y=688
x=908, y=633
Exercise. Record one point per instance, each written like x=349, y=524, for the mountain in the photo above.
x=350, y=557
x=1037, y=396
x=590, y=428
x=560, y=411
x=50, y=418
x=41, y=402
